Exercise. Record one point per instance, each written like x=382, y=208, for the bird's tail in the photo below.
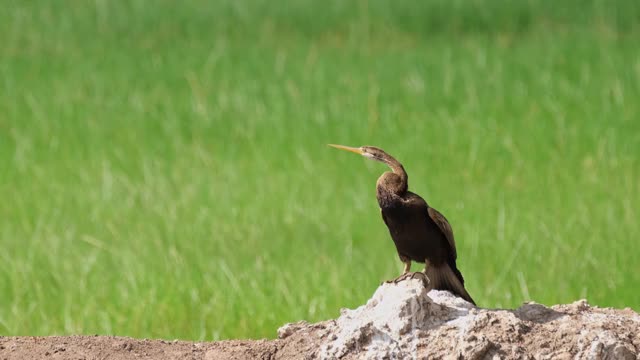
x=444, y=277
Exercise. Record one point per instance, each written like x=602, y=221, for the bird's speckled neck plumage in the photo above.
x=392, y=185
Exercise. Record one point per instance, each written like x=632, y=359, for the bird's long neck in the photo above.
x=398, y=169
x=392, y=186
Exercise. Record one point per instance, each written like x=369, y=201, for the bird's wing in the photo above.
x=444, y=226
x=384, y=218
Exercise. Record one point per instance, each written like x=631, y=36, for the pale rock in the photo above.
x=404, y=321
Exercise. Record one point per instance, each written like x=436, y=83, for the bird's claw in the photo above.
x=402, y=277
x=422, y=276
x=411, y=275
x=398, y=279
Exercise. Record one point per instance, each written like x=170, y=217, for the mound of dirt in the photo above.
x=400, y=321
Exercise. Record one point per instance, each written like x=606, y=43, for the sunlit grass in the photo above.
x=165, y=170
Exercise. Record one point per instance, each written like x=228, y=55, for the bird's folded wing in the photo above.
x=444, y=226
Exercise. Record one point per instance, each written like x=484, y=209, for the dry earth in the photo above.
x=400, y=321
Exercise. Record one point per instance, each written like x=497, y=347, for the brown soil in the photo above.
x=120, y=348
x=399, y=321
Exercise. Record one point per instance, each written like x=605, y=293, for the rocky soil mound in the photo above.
x=400, y=321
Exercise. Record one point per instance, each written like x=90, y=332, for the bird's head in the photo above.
x=398, y=178
x=370, y=152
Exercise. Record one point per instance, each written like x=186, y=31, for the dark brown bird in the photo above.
x=420, y=232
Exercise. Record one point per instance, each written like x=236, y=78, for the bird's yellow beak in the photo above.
x=347, y=148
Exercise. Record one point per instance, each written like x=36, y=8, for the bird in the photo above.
x=420, y=233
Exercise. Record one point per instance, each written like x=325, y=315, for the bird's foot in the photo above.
x=398, y=279
x=411, y=275
x=403, y=277
x=422, y=276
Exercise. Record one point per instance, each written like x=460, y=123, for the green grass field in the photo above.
x=165, y=170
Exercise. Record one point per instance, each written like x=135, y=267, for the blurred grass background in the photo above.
x=164, y=169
